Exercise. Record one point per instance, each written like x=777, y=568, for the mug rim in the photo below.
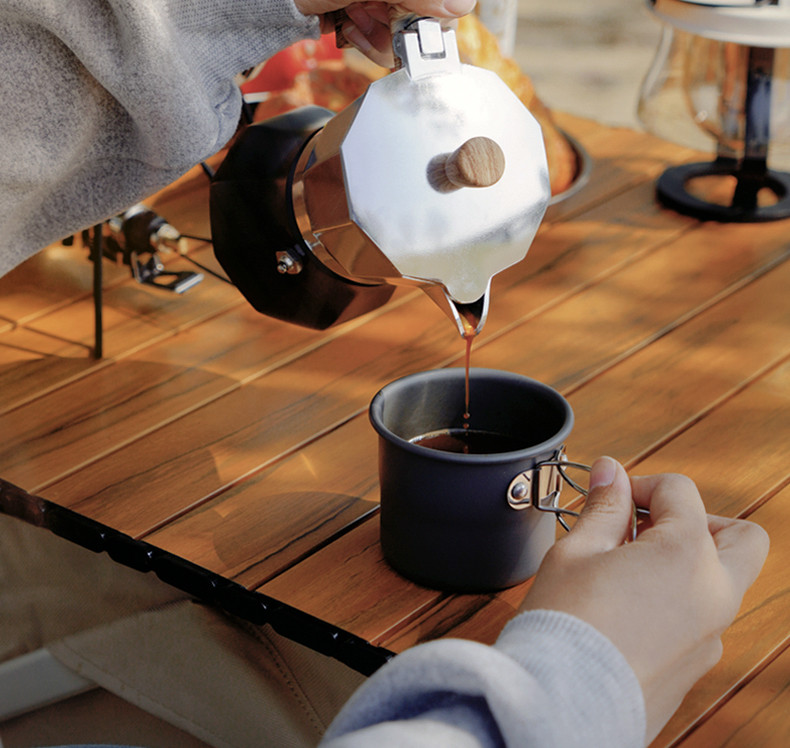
x=554, y=442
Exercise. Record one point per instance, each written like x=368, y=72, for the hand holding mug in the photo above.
x=663, y=600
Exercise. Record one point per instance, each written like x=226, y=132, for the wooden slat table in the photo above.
x=241, y=444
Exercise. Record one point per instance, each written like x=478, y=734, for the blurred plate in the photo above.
x=583, y=169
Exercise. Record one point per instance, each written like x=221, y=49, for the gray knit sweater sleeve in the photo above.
x=551, y=680
x=107, y=101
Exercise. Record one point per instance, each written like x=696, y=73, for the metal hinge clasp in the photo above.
x=424, y=48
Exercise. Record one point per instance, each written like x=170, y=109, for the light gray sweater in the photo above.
x=106, y=101
x=550, y=681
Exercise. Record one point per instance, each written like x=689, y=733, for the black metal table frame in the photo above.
x=207, y=586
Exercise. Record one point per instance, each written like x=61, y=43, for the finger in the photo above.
x=669, y=497
x=435, y=8
x=607, y=516
x=742, y=547
x=376, y=31
x=439, y=8
x=366, y=22
x=376, y=45
x=377, y=11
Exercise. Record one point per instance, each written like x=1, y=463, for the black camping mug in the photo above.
x=469, y=522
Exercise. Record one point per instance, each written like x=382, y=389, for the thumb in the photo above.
x=605, y=520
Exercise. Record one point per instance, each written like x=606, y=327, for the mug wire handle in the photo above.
x=561, y=464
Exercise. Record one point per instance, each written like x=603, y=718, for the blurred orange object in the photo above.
x=332, y=83
x=278, y=72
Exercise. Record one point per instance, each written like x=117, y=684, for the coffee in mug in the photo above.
x=468, y=441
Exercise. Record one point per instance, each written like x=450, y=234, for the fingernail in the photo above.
x=360, y=18
x=603, y=472
x=459, y=7
x=357, y=38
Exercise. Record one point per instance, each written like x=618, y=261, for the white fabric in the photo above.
x=229, y=685
x=225, y=682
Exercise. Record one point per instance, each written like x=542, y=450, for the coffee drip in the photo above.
x=470, y=316
x=466, y=440
x=467, y=414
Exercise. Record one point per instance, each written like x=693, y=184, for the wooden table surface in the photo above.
x=241, y=444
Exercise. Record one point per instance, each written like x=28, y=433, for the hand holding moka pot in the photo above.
x=435, y=177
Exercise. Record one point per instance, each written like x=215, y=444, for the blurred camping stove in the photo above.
x=137, y=238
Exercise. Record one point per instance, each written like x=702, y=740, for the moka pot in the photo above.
x=435, y=177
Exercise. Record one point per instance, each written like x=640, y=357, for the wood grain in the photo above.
x=128, y=398
x=33, y=364
x=756, y=715
x=352, y=583
x=136, y=315
x=51, y=280
x=265, y=524
x=683, y=374
x=479, y=162
x=237, y=434
x=757, y=416
x=631, y=308
x=758, y=637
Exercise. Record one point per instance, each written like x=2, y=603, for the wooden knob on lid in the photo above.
x=479, y=162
